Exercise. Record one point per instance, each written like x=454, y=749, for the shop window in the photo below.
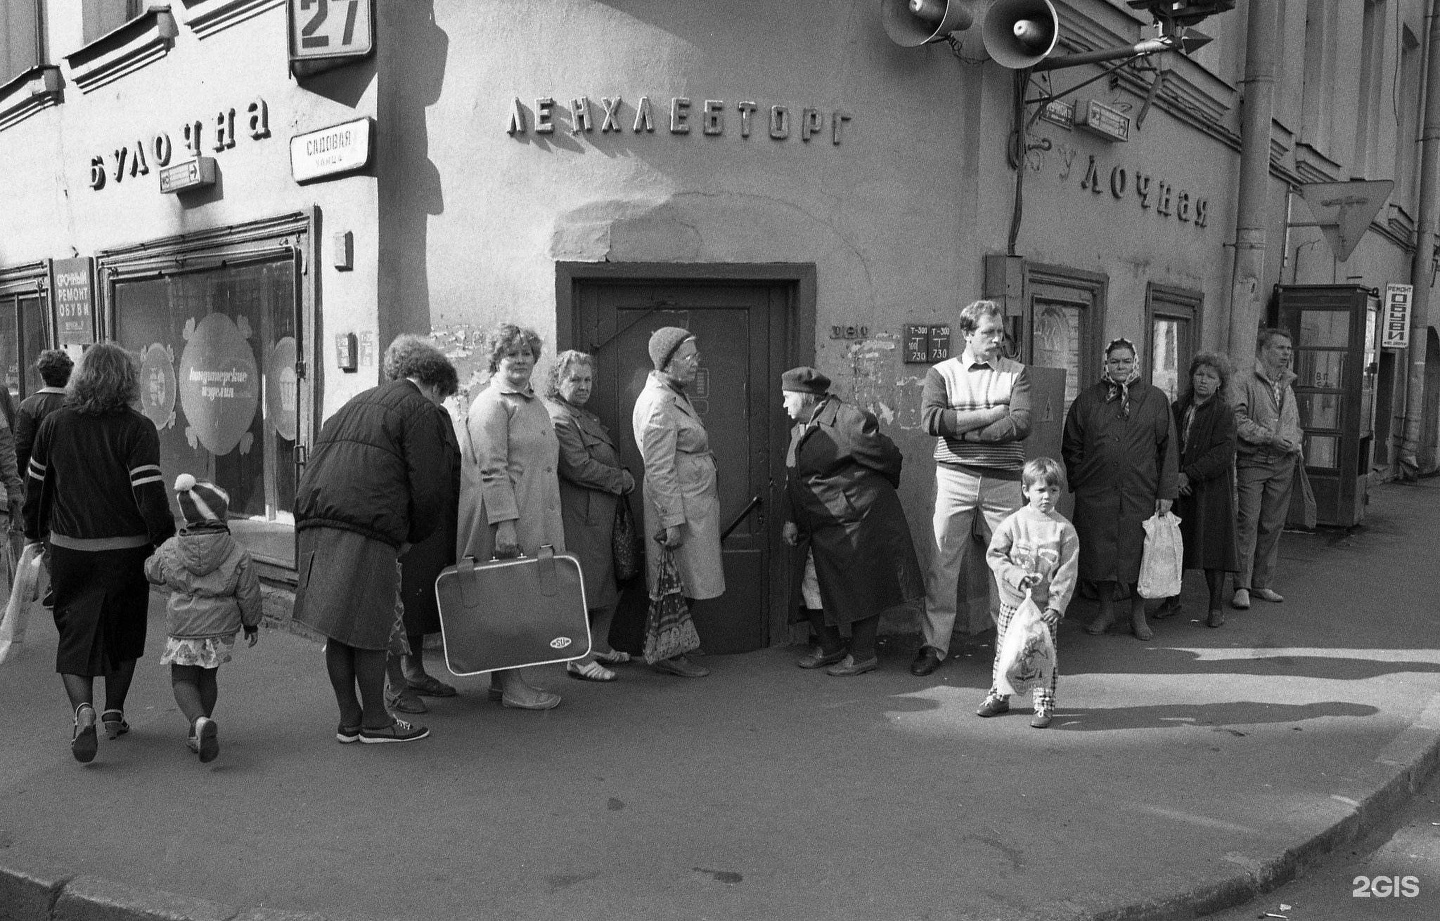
x=22, y=338
x=104, y=16
x=1064, y=308
x=218, y=352
x=22, y=40
x=1172, y=316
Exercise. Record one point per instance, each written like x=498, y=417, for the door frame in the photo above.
x=799, y=280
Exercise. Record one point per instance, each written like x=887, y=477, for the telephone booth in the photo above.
x=1335, y=330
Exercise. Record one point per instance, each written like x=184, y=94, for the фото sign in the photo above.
x=1395, y=324
x=74, y=300
x=330, y=151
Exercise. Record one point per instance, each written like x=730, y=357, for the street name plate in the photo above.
x=330, y=151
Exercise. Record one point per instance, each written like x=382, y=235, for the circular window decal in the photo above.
x=157, y=385
x=218, y=387
x=281, y=392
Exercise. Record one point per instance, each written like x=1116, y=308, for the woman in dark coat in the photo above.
x=97, y=495
x=845, y=520
x=1121, y=458
x=592, y=482
x=376, y=484
x=1206, y=426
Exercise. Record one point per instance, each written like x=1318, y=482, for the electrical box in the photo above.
x=347, y=352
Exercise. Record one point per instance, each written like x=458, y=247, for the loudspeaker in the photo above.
x=919, y=22
x=1020, y=33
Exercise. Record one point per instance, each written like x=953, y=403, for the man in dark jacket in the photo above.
x=376, y=483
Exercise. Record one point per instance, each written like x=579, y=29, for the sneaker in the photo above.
x=397, y=731
x=347, y=734
x=993, y=706
x=83, y=742
x=1241, y=601
x=1267, y=594
x=1042, y=718
x=207, y=734
x=406, y=701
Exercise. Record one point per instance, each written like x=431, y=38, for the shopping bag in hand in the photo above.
x=669, y=629
x=1163, y=559
x=1027, y=653
x=23, y=592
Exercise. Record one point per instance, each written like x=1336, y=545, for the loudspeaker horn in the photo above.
x=1020, y=33
x=918, y=22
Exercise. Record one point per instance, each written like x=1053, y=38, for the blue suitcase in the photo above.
x=512, y=613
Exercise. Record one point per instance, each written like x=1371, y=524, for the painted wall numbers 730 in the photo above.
x=331, y=29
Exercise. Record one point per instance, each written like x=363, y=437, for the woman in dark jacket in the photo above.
x=846, y=522
x=376, y=483
x=592, y=482
x=1206, y=426
x=96, y=492
x=1121, y=459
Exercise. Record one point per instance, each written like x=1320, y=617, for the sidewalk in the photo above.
x=1179, y=775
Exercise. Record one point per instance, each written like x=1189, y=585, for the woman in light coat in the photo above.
x=682, y=501
x=509, y=486
x=592, y=484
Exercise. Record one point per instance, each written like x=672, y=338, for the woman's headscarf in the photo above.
x=1121, y=390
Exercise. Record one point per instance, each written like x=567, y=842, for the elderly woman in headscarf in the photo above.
x=509, y=488
x=845, y=520
x=1121, y=457
x=1206, y=506
x=682, y=499
x=592, y=484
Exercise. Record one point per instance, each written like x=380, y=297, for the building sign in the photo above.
x=1149, y=191
x=1395, y=326
x=215, y=134
x=1108, y=123
x=1059, y=112
x=926, y=344
x=680, y=115
x=74, y=286
x=192, y=174
x=330, y=31
x=331, y=151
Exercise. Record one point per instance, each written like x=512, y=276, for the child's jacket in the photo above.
x=212, y=582
x=1032, y=541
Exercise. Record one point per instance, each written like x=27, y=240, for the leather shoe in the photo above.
x=993, y=706
x=1216, y=618
x=848, y=667
x=1267, y=594
x=521, y=696
x=926, y=661
x=819, y=658
x=429, y=686
x=1168, y=608
x=405, y=702
x=681, y=667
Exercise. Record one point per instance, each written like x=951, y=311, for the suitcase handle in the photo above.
x=545, y=557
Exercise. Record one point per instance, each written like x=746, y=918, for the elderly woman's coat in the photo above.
x=841, y=476
x=1118, y=467
x=681, y=486
x=591, y=481
x=1207, y=458
x=509, y=462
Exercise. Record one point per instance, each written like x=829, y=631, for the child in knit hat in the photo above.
x=214, y=592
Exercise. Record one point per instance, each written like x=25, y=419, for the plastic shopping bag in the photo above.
x=1163, y=559
x=1027, y=653
x=23, y=592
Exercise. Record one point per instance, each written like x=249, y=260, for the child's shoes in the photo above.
x=994, y=705
x=206, y=737
x=1042, y=718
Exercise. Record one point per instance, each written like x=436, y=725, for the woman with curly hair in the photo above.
x=96, y=494
x=509, y=488
x=1206, y=426
x=377, y=483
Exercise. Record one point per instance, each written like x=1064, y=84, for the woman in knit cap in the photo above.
x=845, y=520
x=682, y=503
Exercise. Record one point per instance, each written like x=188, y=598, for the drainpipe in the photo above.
x=1250, y=210
x=1420, y=272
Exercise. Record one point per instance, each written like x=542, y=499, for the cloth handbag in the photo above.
x=669, y=629
x=1303, y=511
x=512, y=613
x=626, y=544
x=1027, y=653
x=1162, y=562
x=24, y=589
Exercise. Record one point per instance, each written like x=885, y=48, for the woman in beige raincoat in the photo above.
x=682, y=503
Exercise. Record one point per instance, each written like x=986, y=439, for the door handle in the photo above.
x=755, y=503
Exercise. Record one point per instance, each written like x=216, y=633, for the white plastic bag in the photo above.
x=23, y=592
x=1163, y=559
x=1027, y=654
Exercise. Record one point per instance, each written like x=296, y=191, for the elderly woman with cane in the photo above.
x=845, y=520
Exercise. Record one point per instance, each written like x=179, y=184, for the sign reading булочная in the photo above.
x=710, y=117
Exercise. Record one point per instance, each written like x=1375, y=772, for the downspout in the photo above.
x=1420, y=272
x=1251, y=208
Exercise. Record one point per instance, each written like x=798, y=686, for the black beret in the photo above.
x=805, y=380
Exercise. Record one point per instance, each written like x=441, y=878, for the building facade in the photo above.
x=790, y=182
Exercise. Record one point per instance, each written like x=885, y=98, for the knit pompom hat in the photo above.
x=200, y=502
x=665, y=342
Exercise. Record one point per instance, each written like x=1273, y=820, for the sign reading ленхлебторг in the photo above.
x=332, y=151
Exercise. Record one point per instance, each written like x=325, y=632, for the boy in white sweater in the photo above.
x=1035, y=548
